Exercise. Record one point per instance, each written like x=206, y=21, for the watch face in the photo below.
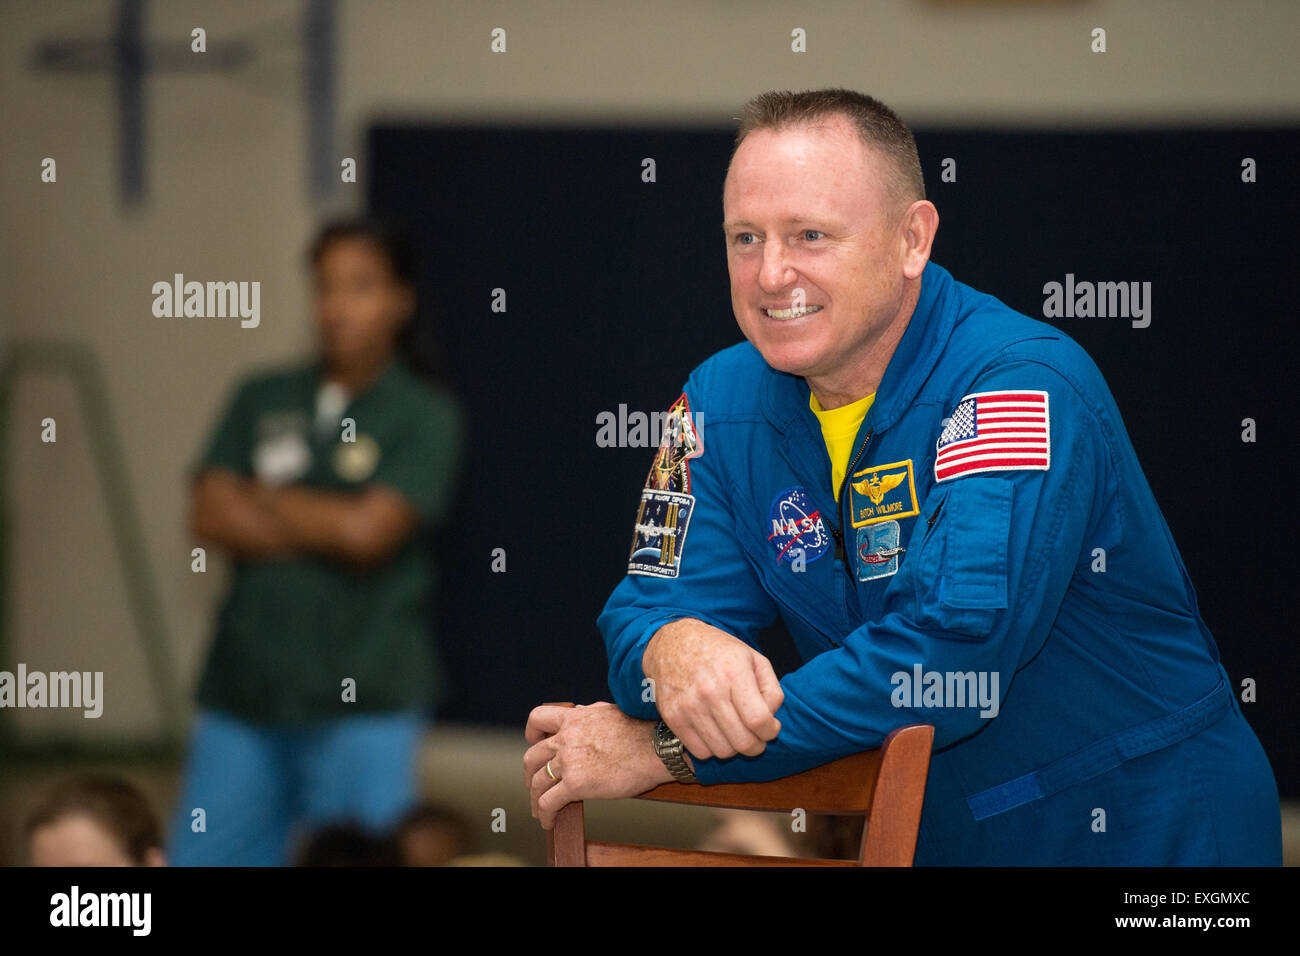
x=663, y=736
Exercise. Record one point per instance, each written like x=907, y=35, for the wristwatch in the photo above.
x=670, y=750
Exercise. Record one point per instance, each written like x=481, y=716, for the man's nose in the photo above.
x=775, y=272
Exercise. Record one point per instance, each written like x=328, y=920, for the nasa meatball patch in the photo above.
x=797, y=527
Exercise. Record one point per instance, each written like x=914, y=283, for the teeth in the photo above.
x=792, y=313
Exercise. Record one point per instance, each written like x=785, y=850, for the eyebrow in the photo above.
x=791, y=221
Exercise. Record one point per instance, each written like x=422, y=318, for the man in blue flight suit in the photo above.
x=939, y=497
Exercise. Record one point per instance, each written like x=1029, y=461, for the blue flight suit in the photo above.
x=1107, y=731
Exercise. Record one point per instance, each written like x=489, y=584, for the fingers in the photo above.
x=726, y=717
x=541, y=784
x=737, y=723
x=701, y=735
x=552, y=802
x=536, y=756
x=752, y=724
x=773, y=695
x=718, y=694
x=543, y=721
x=740, y=739
x=735, y=717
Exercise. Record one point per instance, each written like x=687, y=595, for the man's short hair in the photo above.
x=111, y=801
x=878, y=127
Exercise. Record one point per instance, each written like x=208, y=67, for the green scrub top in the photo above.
x=292, y=631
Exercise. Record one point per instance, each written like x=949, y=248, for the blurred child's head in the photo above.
x=363, y=274
x=346, y=843
x=93, y=820
x=432, y=836
x=365, y=300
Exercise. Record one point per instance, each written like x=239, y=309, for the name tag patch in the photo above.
x=281, y=454
x=660, y=534
x=882, y=493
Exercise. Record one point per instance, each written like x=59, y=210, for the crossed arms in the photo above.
x=257, y=522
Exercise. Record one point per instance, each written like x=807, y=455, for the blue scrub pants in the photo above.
x=261, y=785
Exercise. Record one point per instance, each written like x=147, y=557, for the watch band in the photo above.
x=670, y=750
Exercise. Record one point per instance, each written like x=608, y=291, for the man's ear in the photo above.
x=154, y=856
x=919, y=225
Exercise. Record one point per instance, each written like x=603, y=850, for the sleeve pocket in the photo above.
x=972, y=579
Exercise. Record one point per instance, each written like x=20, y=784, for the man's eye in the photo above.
x=744, y=237
x=812, y=235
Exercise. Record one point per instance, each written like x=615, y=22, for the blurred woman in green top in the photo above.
x=321, y=482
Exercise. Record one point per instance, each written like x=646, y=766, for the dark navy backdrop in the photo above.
x=616, y=288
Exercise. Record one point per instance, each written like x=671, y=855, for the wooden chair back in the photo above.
x=886, y=786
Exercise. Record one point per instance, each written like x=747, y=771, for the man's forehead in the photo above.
x=816, y=199
x=807, y=217
x=808, y=178
x=816, y=142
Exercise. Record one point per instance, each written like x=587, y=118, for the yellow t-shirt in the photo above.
x=839, y=428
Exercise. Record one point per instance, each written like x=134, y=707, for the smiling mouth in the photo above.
x=796, y=313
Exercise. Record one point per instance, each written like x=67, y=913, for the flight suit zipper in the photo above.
x=840, y=551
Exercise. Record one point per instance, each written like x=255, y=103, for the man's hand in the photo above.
x=595, y=753
x=714, y=691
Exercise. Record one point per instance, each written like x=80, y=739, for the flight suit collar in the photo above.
x=786, y=396
x=918, y=353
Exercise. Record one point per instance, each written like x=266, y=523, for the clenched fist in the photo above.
x=714, y=691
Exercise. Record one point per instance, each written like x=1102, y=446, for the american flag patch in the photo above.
x=994, y=431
